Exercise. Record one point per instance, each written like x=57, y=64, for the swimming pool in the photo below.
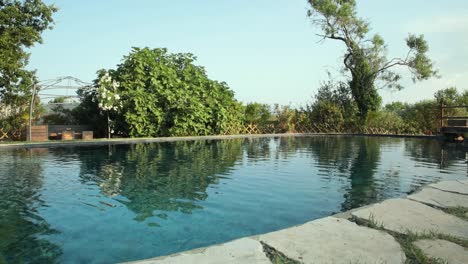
x=114, y=203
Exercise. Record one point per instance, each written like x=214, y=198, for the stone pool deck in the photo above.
x=119, y=141
x=430, y=226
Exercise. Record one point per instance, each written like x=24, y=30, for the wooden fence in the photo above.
x=253, y=129
x=40, y=133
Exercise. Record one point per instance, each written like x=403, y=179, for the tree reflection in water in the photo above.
x=22, y=229
x=162, y=176
x=157, y=179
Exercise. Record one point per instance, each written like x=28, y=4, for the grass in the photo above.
x=371, y=223
x=459, y=211
x=414, y=255
x=277, y=257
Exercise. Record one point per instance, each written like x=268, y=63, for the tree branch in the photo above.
x=332, y=37
x=345, y=61
x=394, y=62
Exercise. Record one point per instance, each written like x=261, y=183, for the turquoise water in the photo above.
x=105, y=204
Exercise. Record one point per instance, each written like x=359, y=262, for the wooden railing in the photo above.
x=445, y=119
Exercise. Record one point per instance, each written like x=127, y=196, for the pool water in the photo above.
x=106, y=204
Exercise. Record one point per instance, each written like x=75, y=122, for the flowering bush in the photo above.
x=107, y=94
x=108, y=99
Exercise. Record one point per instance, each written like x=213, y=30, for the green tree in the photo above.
x=327, y=115
x=164, y=94
x=21, y=26
x=332, y=108
x=365, y=57
x=451, y=97
x=88, y=111
x=256, y=113
x=388, y=120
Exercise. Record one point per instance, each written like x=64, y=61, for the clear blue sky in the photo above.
x=266, y=51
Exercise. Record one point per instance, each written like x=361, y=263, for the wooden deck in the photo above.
x=450, y=125
x=454, y=130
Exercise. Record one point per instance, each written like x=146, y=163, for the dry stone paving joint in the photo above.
x=438, y=198
x=404, y=216
x=335, y=240
x=444, y=250
x=459, y=186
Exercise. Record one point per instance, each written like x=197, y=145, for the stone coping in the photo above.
x=118, y=141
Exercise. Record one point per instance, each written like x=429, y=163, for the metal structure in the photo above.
x=66, y=83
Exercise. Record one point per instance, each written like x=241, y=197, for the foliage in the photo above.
x=328, y=115
x=423, y=116
x=365, y=57
x=107, y=93
x=87, y=112
x=108, y=98
x=21, y=26
x=451, y=97
x=256, y=113
x=15, y=117
x=285, y=118
x=59, y=115
x=333, y=107
x=334, y=110
x=388, y=120
x=418, y=118
x=337, y=93
x=165, y=94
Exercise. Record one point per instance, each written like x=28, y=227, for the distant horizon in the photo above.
x=265, y=53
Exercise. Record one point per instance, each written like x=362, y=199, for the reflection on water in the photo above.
x=22, y=229
x=126, y=202
x=156, y=177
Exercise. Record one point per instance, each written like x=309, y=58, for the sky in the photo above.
x=266, y=51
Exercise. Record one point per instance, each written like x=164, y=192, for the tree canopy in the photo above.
x=21, y=26
x=365, y=57
x=164, y=94
x=256, y=113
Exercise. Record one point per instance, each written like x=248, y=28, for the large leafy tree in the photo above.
x=365, y=57
x=21, y=26
x=164, y=94
x=257, y=113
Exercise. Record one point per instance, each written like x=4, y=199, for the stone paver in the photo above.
x=244, y=250
x=439, y=198
x=401, y=215
x=459, y=186
x=335, y=240
x=445, y=250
